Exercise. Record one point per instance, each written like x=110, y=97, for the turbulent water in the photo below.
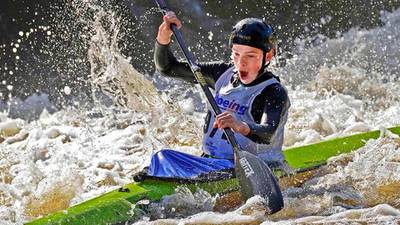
x=337, y=87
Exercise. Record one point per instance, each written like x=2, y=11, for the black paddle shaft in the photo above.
x=254, y=176
x=198, y=75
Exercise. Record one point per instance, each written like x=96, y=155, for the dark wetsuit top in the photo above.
x=267, y=109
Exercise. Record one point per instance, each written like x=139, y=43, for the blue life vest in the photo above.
x=239, y=100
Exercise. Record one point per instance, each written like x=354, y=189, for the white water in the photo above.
x=344, y=85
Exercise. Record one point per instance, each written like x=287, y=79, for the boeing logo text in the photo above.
x=232, y=106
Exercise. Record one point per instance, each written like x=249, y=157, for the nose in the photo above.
x=242, y=62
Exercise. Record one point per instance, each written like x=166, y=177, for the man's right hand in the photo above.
x=164, y=30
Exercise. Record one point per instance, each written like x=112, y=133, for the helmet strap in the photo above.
x=263, y=65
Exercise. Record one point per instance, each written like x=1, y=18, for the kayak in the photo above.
x=125, y=203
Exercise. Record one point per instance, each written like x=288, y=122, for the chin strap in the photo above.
x=263, y=65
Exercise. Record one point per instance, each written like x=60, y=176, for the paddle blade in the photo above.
x=256, y=178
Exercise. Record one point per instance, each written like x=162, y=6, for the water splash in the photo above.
x=182, y=204
x=353, y=80
x=114, y=75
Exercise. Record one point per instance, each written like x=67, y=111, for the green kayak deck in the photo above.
x=119, y=205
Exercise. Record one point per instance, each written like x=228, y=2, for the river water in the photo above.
x=337, y=85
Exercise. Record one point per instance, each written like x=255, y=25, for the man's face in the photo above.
x=247, y=61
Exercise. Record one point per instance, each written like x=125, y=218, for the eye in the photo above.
x=235, y=55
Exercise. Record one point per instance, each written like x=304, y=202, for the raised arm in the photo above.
x=167, y=64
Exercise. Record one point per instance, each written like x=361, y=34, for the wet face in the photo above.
x=247, y=61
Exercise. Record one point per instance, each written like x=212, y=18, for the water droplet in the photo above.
x=67, y=90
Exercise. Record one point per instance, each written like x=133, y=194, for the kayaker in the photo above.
x=254, y=102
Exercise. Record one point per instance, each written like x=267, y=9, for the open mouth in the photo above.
x=243, y=74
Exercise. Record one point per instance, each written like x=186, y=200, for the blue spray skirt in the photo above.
x=170, y=163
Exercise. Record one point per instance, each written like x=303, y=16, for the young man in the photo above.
x=253, y=101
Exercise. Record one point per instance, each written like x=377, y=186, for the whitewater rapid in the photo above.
x=345, y=85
